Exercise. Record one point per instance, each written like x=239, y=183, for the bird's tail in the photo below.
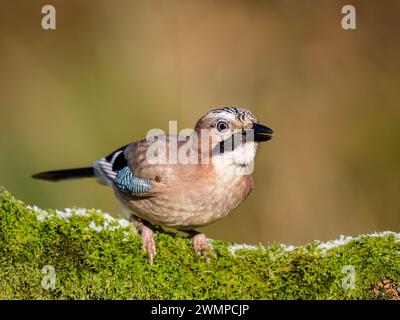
x=67, y=174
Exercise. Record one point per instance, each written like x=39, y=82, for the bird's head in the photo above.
x=234, y=133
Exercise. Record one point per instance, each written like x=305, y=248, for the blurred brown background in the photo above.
x=113, y=70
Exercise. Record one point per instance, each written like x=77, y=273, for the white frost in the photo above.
x=110, y=223
x=123, y=223
x=93, y=226
x=335, y=243
x=324, y=246
x=288, y=248
x=235, y=247
x=346, y=239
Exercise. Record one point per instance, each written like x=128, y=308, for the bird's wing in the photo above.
x=115, y=170
x=140, y=168
x=156, y=159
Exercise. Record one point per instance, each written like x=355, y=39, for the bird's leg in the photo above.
x=200, y=244
x=148, y=242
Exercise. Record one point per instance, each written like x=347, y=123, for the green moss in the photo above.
x=109, y=264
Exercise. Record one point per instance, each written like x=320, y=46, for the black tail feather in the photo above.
x=59, y=175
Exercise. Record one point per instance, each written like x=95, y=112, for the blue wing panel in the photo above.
x=127, y=182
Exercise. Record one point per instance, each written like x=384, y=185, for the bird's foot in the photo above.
x=147, y=234
x=148, y=242
x=201, y=246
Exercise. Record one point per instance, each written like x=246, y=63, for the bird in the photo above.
x=182, y=181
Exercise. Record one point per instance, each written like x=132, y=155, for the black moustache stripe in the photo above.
x=229, y=144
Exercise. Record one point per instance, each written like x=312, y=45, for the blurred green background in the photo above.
x=113, y=70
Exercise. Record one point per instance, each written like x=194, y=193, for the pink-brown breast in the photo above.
x=183, y=196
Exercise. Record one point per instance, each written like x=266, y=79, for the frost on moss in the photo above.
x=95, y=256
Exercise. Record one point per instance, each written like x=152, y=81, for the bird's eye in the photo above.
x=222, y=126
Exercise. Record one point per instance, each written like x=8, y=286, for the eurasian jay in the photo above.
x=181, y=181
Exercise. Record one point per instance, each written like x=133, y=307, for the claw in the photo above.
x=148, y=243
x=201, y=246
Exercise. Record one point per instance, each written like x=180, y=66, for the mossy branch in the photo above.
x=84, y=254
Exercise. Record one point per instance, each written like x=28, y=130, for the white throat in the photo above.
x=238, y=162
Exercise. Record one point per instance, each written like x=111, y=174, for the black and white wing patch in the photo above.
x=114, y=170
x=106, y=168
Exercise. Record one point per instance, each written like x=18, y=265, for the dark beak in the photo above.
x=262, y=133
